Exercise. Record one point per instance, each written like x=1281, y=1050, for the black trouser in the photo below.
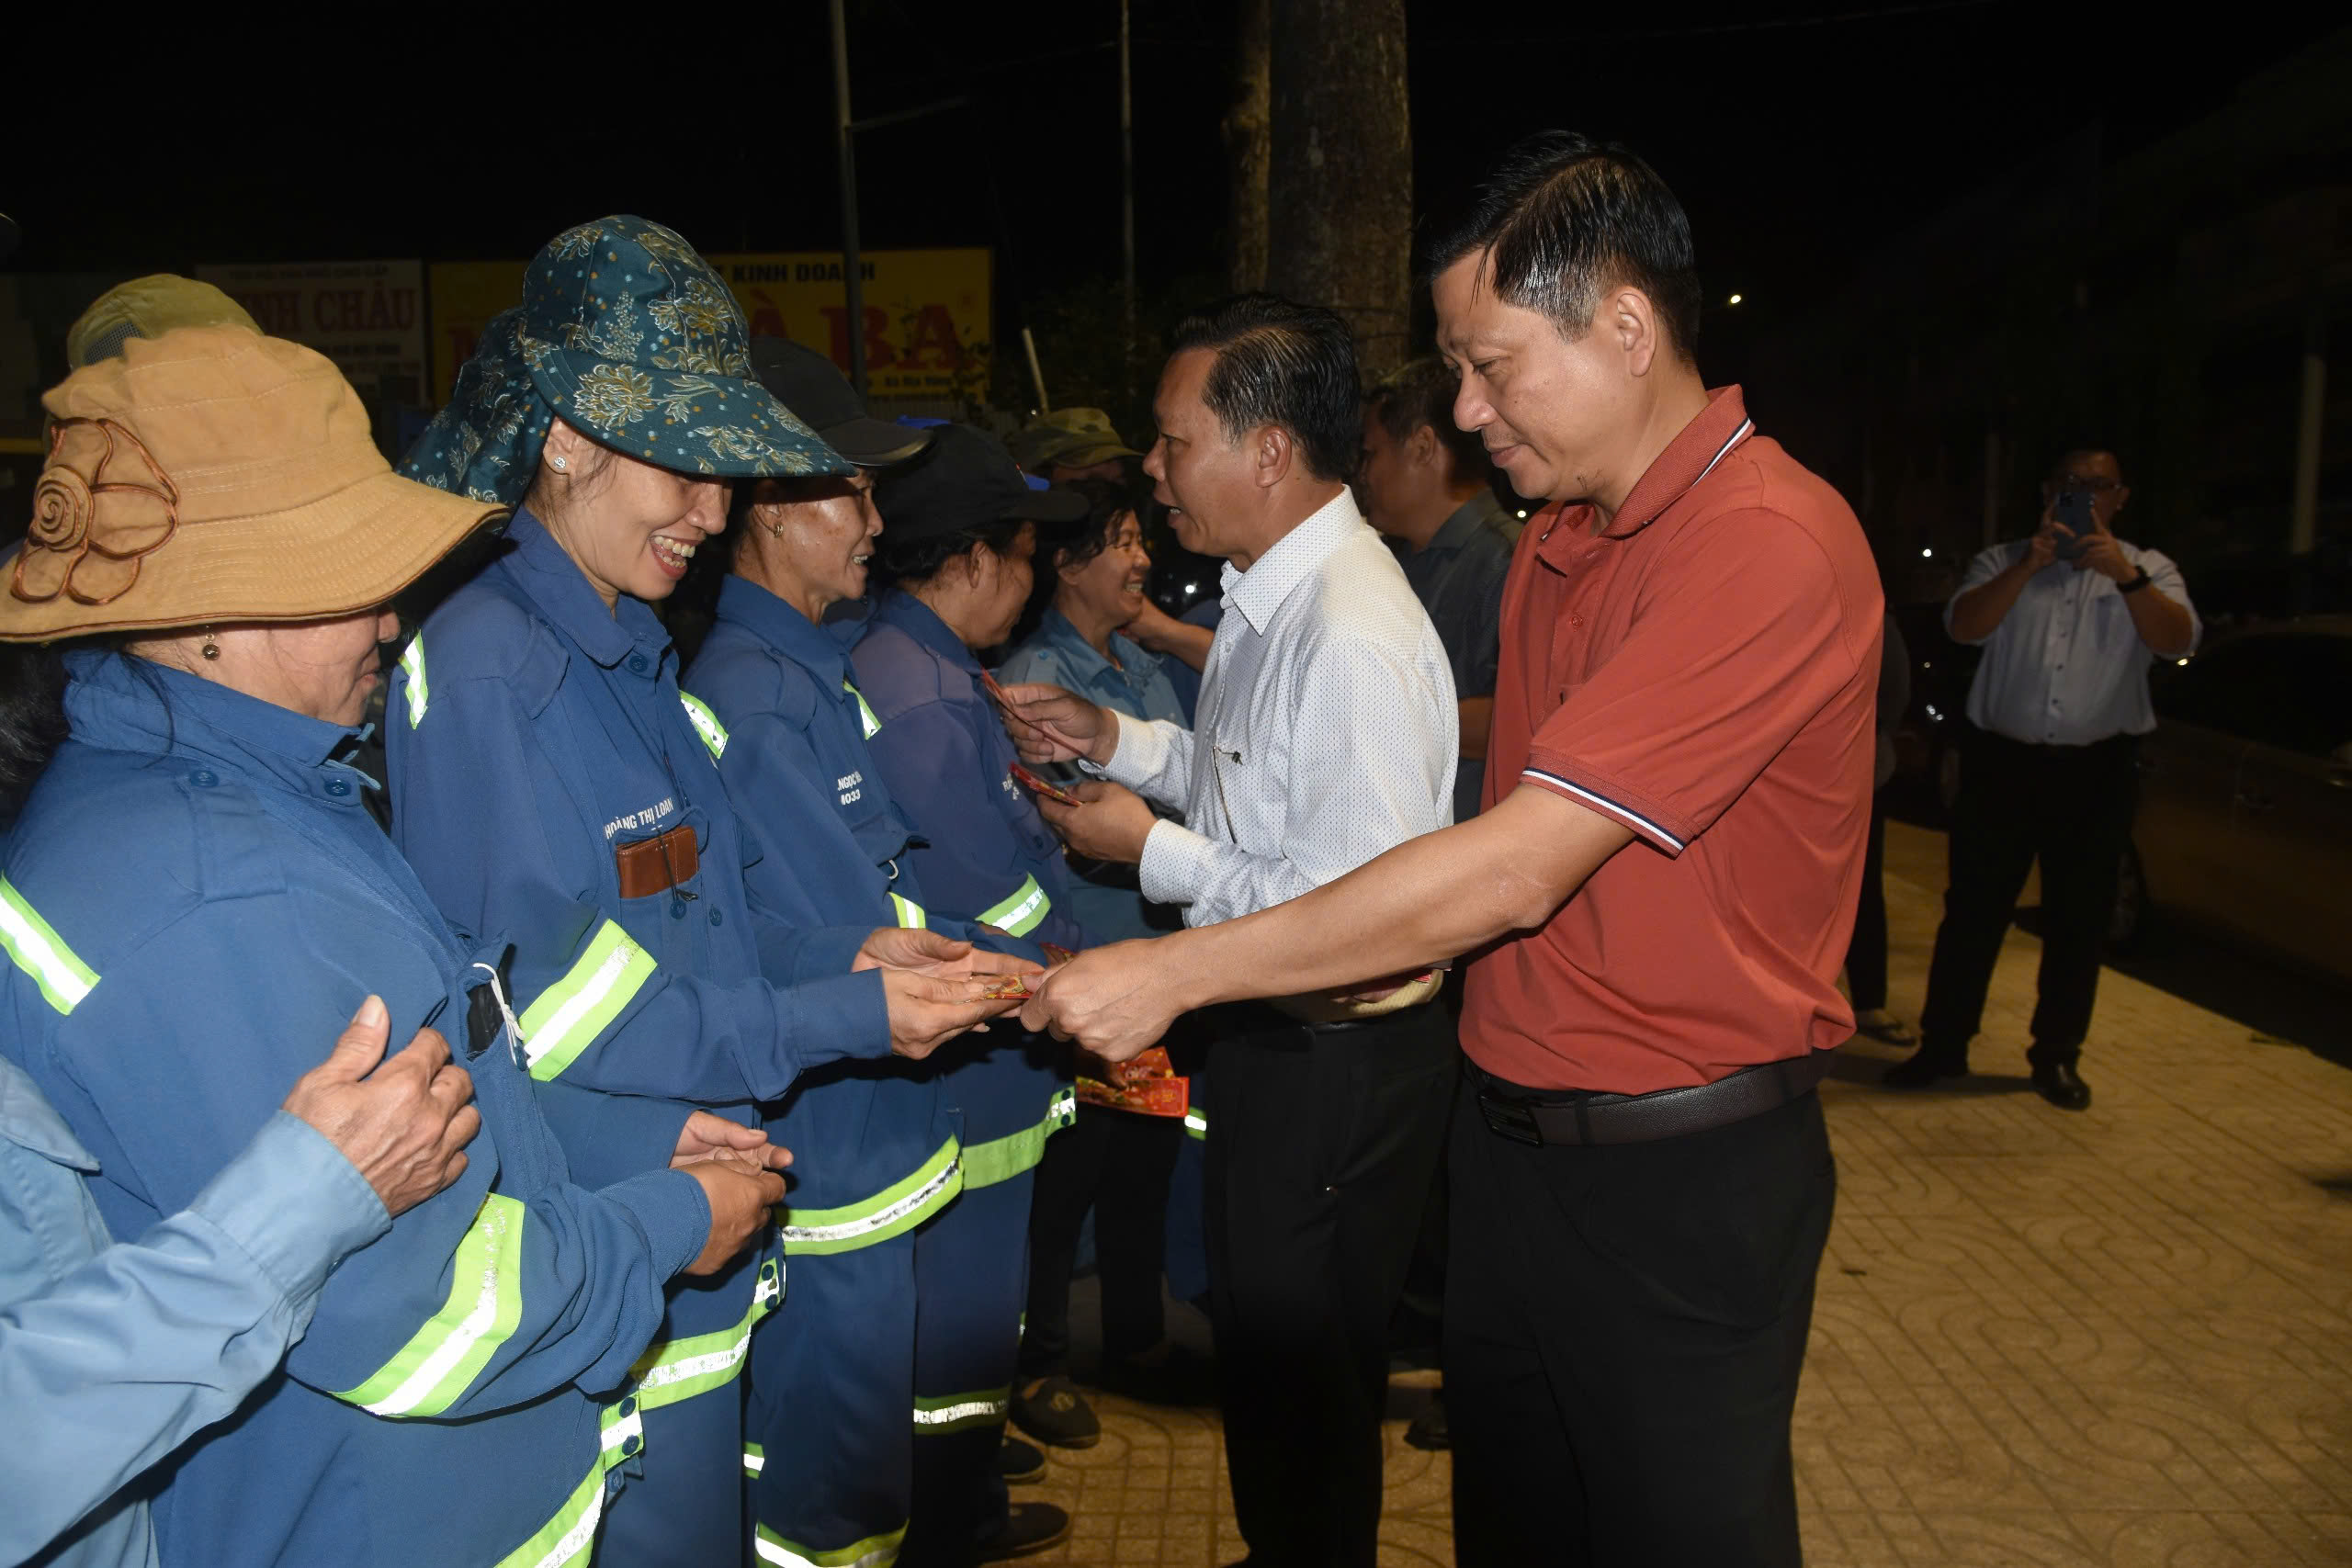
x=1320, y=1144
x=1866, y=952
x=1625, y=1325
x=2070, y=806
x=1118, y=1162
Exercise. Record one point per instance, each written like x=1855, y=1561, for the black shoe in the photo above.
x=1020, y=1463
x=1052, y=1411
x=2058, y=1083
x=1429, y=1431
x=1028, y=1527
x=1924, y=1069
x=1168, y=1373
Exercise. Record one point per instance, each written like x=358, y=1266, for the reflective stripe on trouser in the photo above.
x=685, y=1502
x=894, y=1211
x=568, y=1537
x=971, y=1282
x=1196, y=1123
x=41, y=953
x=1020, y=912
x=566, y=1018
x=830, y=1380
x=673, y=1369
x=875, y=1551
x=755, y=1458
x=1000, y=1159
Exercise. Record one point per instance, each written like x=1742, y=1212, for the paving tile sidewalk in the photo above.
x=2118, y=1337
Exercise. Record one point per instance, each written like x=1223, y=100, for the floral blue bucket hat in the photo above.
x=629, y=336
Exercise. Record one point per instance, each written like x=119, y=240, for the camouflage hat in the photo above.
x=1075, y=438
x=630, y=337
x=148, y=307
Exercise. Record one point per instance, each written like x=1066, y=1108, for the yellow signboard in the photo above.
x=926, y=324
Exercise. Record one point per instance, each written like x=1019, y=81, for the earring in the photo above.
x=212, y=650
x=558, y=464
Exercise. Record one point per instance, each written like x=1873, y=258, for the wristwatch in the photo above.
x=2136, y=584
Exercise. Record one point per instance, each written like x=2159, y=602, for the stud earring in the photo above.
x=558, y=464
x=212, y=650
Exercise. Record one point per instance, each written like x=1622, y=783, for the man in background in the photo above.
x=2070, y=620
x=1427, y=484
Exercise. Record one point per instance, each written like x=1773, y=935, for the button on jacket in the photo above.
x=985, y=852
x=195, y=904
x=1326, y=732
x=2066, y=667
x=117, y=1354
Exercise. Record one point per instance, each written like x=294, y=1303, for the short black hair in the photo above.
x=1286, y=363
x=1565, y=217
x=1418, y=392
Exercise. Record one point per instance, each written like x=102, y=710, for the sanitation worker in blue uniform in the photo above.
x=550, y=784
x=959, y=525
x=194, y=893
x=831, y=1386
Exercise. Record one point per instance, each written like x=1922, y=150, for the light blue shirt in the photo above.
x=2066, y=667
x=114, y=1354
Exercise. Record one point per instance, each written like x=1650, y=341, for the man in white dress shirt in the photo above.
x=1325, y=736
x=2069, y=626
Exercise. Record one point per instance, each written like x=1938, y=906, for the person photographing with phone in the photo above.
x=2070, y=620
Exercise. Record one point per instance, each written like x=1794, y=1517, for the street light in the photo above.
x=1733, y=299
x=1927, y=553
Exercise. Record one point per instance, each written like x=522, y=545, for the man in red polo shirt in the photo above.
x=1658, y=895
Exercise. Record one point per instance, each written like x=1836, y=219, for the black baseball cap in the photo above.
x=808, y=383
x=966, y=481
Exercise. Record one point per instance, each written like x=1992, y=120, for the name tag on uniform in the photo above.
x=652, y=865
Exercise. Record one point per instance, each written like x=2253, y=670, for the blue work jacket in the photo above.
x=832, y=845
x=980, y=851
x=533, y=737
x=118, y=1353
x=983, y=848
x=196, y=902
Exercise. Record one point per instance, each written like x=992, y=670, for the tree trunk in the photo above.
x=1247, y=123
x=1341, y=190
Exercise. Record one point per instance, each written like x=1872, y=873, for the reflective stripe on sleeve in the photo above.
x=567, y=1539
x=707, y=724
x=1196, y=1123
x=874, y=1551
x=1001, y=1159
x=569, y=1014
x=865, y=719
x=41, y=953
x=896, y=1208
x=911, y=914
x=1021, y=913
x=673, y=1370
x=961, y=1412
x=413, y=664
x=755, y=1459
x=442, y=1359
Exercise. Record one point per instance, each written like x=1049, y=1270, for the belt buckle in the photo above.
x=1511, y=1120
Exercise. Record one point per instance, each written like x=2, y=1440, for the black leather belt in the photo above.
x=1530, y=1116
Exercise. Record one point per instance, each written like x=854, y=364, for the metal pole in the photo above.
x=1036, y=377
x=1127, y=196
x=2302, y=536
x=853, y=264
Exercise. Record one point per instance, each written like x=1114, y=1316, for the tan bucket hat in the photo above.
x=211, y=476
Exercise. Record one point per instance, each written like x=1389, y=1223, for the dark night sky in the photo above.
x=1797, y=135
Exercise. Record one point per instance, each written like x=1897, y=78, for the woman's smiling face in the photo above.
x=630, y=527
